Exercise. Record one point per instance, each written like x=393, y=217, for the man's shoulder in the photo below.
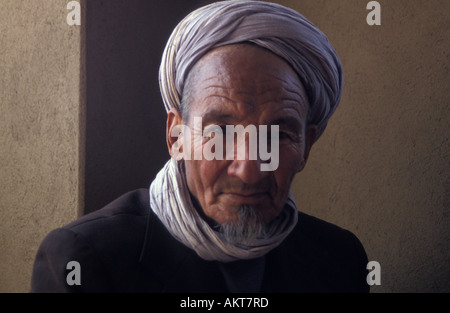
x=117, y=228
x=106, y=243
x=318, y=235
x=131, y=206
x=320, y=229
x=333, y=255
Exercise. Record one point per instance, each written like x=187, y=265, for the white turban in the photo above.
x=281, y=30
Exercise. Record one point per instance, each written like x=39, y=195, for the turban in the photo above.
x=281, y=30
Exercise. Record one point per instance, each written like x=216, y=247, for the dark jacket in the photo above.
x=125, y=248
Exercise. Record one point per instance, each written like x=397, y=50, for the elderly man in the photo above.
x=226, y=223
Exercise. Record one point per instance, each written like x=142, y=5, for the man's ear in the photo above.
x=310, y=138
x=173, y=128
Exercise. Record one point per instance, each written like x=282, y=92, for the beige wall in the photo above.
x=40, y=160
x=380, y=170
x=382, y=167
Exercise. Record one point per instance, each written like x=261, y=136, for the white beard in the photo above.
x=246, y=229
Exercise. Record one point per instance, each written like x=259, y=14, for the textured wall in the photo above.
x=380, y=170
x=40, y=65
x=382, y=167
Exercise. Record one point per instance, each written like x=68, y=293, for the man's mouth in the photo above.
x=250, y=198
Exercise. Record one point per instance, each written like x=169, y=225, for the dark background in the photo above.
x=125, y=122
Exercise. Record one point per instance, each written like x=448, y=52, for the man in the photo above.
x=226, y=223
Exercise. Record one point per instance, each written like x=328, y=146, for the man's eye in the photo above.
x=283, y=135
x=211, y=131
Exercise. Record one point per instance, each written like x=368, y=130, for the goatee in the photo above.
x=246, y=229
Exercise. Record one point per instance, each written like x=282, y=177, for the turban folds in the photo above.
x=281, y=30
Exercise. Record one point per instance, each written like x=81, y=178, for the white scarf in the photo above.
x=170, y=200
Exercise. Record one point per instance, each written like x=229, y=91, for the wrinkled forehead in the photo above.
x=245, y=78
x=244, y=63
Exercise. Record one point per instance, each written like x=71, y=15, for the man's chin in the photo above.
x=246, y=228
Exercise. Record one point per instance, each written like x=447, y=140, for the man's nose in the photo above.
x=246, y=164
x=248, y=171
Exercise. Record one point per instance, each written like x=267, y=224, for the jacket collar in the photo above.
x=166, y=265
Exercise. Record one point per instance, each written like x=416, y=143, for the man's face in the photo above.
x=245, y=85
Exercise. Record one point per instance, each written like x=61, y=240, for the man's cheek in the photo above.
x=291, y=158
